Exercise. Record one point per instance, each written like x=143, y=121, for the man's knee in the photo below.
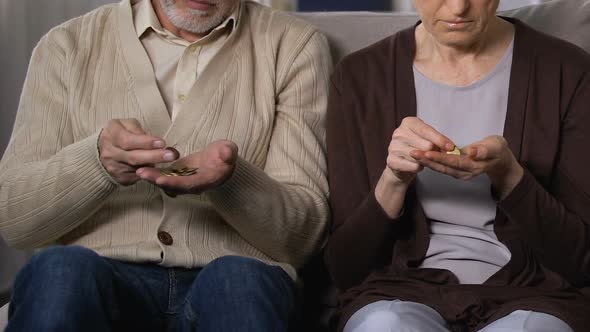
x=242, y=291
x=60, y=288
x=234, y=276
x=60, y=265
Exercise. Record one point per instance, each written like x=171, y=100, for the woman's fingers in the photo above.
x=448, y=170
x=401, y=164
x=428, y=133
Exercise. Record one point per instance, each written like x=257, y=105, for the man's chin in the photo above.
x=205, y=24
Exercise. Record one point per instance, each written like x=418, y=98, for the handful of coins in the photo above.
x=183, y=171
x=455, y=151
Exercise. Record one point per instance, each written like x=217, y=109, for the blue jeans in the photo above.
x=74, y=289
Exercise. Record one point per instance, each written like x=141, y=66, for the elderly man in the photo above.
x=170, y=154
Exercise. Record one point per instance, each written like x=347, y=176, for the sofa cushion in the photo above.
x=3, y=317
x=349, y=31
x=565, y=19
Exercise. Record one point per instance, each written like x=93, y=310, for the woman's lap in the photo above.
x=402, y=316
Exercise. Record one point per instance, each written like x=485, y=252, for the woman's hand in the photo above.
x=490, y=156
x=412, y=135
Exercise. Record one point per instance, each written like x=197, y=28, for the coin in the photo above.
x=183, y=171
x=455, y=151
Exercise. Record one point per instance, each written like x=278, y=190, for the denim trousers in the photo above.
x=71, y=288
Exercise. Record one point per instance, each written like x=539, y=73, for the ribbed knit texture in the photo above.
x=266, y=90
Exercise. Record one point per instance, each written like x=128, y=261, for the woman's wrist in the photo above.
x=390, y=193
x=505, y=179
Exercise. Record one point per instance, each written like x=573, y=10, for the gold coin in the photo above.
x=183, y=171
x=167, y=171
x=455, y=151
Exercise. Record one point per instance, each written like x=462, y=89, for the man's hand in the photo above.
x=124, y=147
x=490, y=156
x=412, y=135
x=215, y=164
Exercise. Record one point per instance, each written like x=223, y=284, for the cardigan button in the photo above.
x=165, y=238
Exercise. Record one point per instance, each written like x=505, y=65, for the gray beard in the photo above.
x=195, y=21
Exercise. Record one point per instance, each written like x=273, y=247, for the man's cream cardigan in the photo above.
x=266, y=90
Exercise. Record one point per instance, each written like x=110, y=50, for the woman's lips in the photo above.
x=457, y=24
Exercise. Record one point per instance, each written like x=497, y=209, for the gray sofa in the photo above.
x=348, y=31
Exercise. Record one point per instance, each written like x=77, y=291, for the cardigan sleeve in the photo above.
x=362, y=233
x=556, y=222
x=283, y=209
x=49, y=184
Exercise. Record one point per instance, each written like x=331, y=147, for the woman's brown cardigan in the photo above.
x=545, y=221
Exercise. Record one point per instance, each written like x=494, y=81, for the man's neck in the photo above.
x=189, y=36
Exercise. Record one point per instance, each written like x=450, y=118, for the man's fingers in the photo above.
x=215, y=164
x=127, y=179
x=128, y=135
x=128, y=141
x=144, y=157
x=113, y=167
x=132, y=125
x=124, y=174
x=178, y=184
x=149, y=174
x=185, y=183
x=153, y=175
x=123, y=146
x=227, y=154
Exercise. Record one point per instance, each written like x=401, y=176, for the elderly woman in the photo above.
x=457, y=152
